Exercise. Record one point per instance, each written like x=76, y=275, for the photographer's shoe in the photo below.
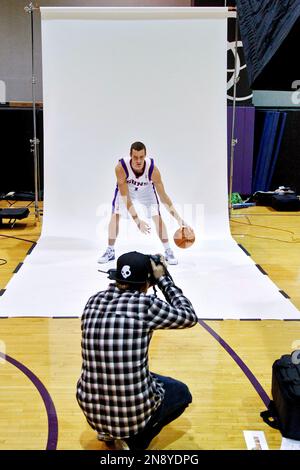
x=109, y=441
x=109, y=255
x=170, y=258
x=117, y=444
x=121, y=444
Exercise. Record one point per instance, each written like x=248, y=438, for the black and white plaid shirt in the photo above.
x=116, y=391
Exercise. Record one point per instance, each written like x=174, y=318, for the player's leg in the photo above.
x=161, y=230
x=150, y=201
x=113, y=231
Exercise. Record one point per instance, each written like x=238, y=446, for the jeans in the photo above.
x=177, y=398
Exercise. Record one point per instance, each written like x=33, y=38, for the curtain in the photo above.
x=269, y=147
x=264, y=25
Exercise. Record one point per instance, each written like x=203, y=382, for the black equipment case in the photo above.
x=284, y=411
x=13, y=214
x=285, y=202
x=283, y=199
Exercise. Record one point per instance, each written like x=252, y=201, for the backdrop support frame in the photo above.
x=34, y=142
x=234, y=140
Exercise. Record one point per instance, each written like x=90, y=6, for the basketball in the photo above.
x=184, y=237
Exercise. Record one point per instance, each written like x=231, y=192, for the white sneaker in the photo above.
x=170, y=258
x=109, y=255
x=121, y=444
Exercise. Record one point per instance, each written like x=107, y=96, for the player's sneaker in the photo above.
x=170, y=258
x=109, y=255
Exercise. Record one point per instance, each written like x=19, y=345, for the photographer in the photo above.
x=122, y=400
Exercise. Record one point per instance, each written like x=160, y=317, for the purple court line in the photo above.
x=49, y=405
x=250, y=376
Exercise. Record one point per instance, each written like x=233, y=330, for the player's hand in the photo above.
x=187, y=230
x=143, y=226
x=159, y=269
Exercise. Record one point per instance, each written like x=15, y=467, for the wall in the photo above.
x=15, y=40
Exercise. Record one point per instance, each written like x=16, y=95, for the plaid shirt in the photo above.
x=116, y=391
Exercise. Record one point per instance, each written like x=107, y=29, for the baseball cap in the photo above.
x=132, y=268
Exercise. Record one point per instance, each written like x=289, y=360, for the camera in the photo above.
x=156, y=259
x=140, y=268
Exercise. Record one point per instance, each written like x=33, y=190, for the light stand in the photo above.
x=34, y=143
x=233, y=139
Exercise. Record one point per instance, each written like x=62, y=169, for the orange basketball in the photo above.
x=184, y=237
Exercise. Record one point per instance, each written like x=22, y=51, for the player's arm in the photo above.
x=123, y=188
x=159, y=186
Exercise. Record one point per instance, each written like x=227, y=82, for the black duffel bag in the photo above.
x=285, y=202
x=284, y=410
x=262, y=198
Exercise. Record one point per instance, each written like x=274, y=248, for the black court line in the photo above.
x=58, y=318
x=291, y=319
x=250, y=319
x=2, y=291
x=244, y=249
x=31, y=249
x=284, y=294
x=52, y=437
x=261, y=269
x=28, y=316
x=40, y=316
x=212, y=319
x=3, y=318
x=17, y=268
x=238, y=360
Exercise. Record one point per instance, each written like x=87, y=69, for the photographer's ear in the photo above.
x=144, y=288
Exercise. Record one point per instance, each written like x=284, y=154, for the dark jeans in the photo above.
x=177, y=398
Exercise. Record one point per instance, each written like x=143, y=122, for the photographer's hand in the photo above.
x=160, y=268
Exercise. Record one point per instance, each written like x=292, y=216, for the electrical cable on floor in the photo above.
x=294, y=240
x=262, y=226
x=17, y=238
x=265, y=238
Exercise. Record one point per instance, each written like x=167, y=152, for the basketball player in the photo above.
x=138, y=179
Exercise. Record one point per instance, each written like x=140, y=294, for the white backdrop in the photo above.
x=113, y=76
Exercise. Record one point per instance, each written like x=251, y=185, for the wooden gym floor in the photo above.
x=226, y=364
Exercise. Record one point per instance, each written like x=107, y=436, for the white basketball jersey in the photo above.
x=140, y=187
x=138, y=183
